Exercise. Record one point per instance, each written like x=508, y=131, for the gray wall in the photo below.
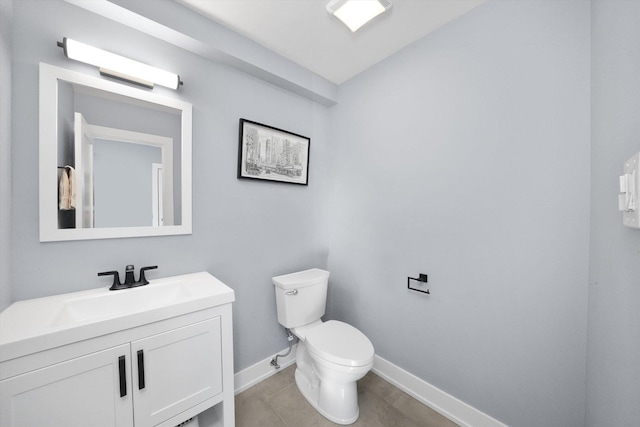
x=466, y=157
x=122, y=183
x=613, y=380
x=5, y=152
x=244, y=232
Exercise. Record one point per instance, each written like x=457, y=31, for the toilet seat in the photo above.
x=340, y=343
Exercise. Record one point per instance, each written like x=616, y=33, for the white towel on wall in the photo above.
x=67, y=189
x=72, y=186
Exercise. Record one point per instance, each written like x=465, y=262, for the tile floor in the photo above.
x=276, y=402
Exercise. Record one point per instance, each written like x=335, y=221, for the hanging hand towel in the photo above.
x=67, y=190
x=72, y=186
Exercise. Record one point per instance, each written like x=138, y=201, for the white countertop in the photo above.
x=34, y=325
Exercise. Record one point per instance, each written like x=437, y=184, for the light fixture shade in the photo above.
x=355, y=13
x=118, y=66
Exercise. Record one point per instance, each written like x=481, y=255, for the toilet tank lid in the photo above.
x=301, y=278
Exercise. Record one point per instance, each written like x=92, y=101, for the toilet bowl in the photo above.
x=339, y=355
x=331, y=356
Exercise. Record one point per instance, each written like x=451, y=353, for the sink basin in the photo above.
x=114, y=303
x=30, y=326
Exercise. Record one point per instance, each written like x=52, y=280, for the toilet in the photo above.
x=331, y=356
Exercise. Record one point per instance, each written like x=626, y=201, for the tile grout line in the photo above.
x=274, y=397
x=284, y=423
x=400, y=396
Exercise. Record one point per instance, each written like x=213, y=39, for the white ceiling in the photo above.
x=303, y=31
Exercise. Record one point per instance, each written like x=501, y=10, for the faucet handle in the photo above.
x=143, y=280
x=116, y=279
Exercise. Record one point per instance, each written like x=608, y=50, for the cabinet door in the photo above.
x=175, y=371
x=76, y=393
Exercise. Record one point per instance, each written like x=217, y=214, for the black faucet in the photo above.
x=129, y=279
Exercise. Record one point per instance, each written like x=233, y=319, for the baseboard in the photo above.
x=262, y=370
x=438, y=400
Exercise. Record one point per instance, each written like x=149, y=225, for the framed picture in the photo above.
x=272, y=154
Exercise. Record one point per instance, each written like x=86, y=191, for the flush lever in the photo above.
x=293, y=292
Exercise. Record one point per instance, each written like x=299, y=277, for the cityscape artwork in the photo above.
x=272, y=154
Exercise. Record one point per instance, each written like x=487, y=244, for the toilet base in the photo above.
x=341, y=400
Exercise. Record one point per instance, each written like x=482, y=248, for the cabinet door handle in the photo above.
x=123, y=376
x=140, y=369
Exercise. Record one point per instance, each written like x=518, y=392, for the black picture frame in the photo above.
x=271, y=154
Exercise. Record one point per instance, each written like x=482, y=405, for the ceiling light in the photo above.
x=355, y=13
x=119, y=67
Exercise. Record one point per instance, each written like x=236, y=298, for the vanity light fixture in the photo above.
x=355, y=13
x=119, y=67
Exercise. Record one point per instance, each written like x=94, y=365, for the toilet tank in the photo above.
x=301, y=297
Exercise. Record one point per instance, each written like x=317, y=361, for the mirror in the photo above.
x=115, y=161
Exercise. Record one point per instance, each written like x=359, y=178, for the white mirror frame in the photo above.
x=49, y=231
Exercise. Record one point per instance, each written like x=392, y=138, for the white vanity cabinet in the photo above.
x=167, y=367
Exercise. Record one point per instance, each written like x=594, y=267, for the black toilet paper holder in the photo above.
x=421, y=278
